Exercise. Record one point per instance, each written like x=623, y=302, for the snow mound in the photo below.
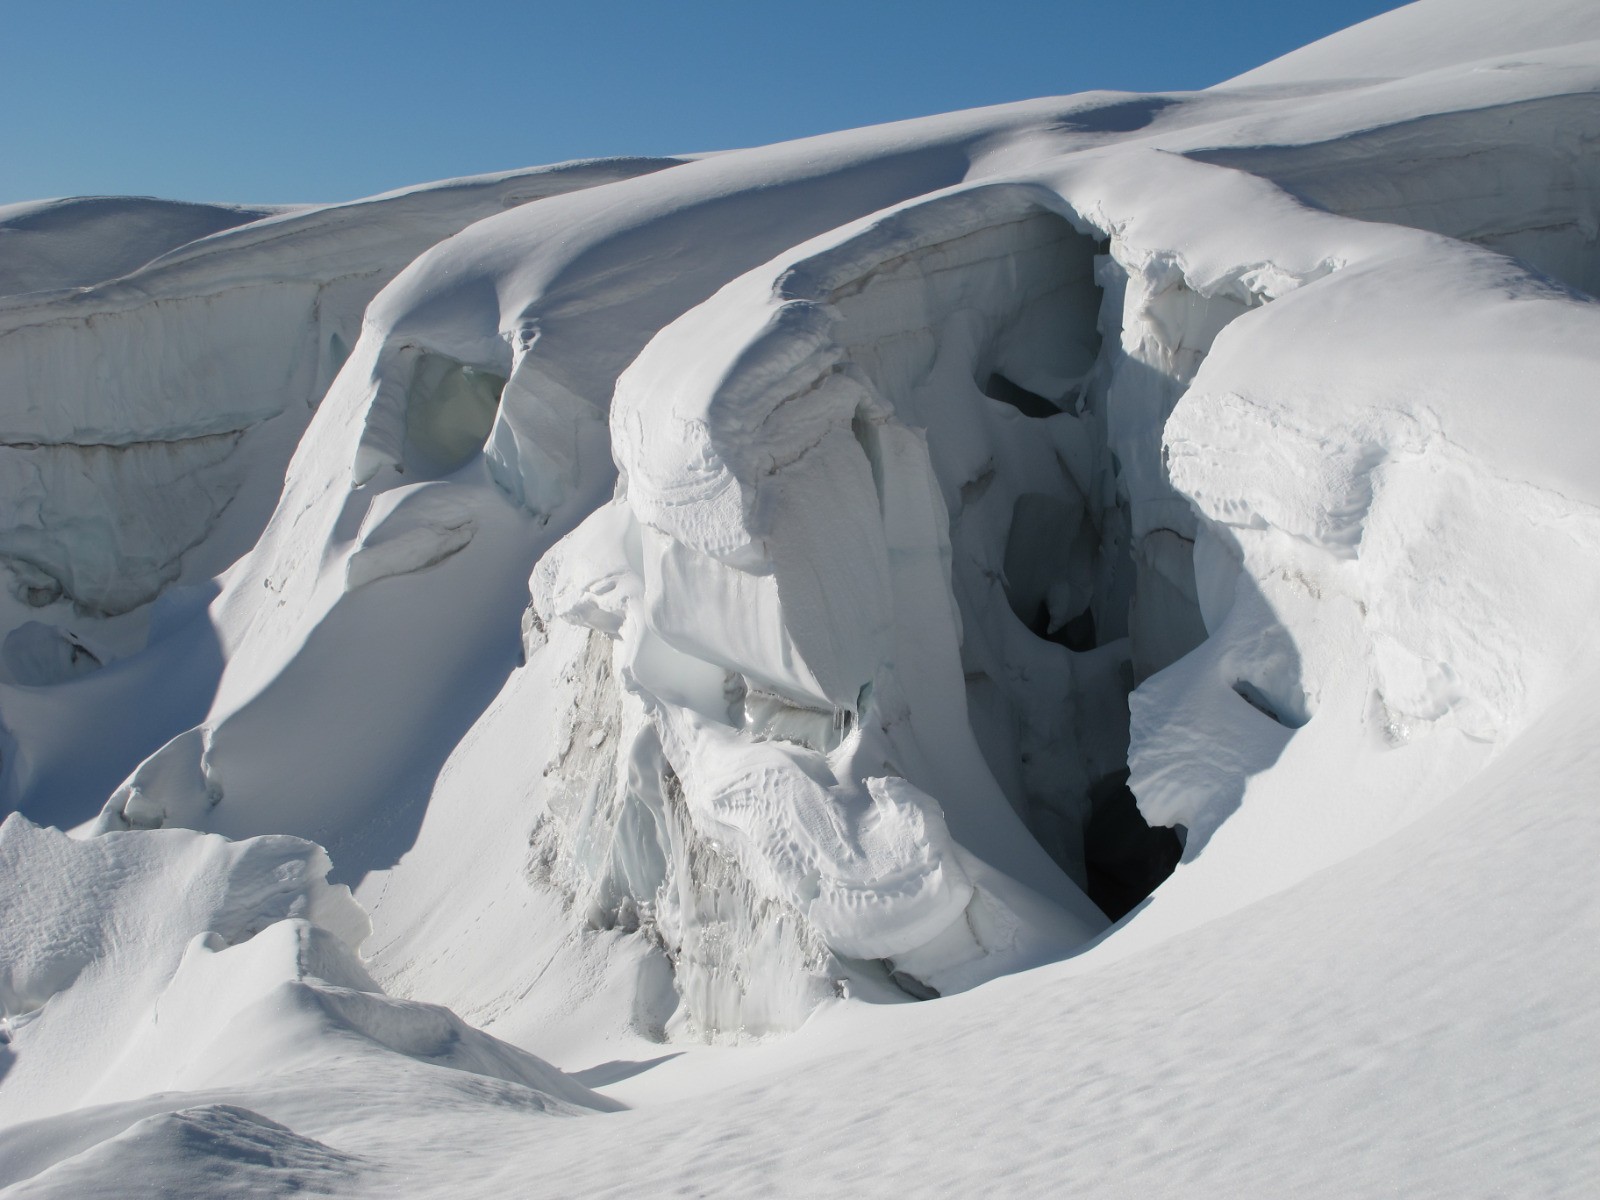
x=110, y=921
x=164, y=968
x=214, y=1150
x=50, y=245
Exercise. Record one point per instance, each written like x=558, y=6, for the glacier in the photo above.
x=1047, y=644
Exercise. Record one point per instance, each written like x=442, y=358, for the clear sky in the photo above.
x=277, y=101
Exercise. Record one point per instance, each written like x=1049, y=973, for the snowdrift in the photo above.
x=669, y=617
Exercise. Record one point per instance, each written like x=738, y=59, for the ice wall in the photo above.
x=390, y=541
x=123, y=398
x=761, y=624
x=834, y=553
x=146, y=427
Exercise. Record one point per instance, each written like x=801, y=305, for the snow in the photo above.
x=739, y=638
x=172, y=391
x=214, y=1150
x=79, y=241
x=1416, y=1022
x=1428, y=36
x=116, y=922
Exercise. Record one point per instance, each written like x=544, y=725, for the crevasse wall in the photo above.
x=113, y=393
x=805, y=566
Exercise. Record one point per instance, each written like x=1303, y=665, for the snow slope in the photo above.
x=669, y=617
x=70, y=243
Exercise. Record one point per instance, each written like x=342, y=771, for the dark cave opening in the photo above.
x=1075, y=633
x=1126, y=858
x=1072, y=578
x=450, y=410
x=1029, y=404
x=1082, y=579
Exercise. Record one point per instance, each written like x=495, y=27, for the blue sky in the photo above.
x=288, y=100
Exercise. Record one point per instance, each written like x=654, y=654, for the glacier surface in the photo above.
x=1047, y=644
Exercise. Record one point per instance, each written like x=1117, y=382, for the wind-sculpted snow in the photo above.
x=160, y=966
x=696, y=601
x=1517, y=177
x=108, y=923
x=213, y=1150
x=1376, y=530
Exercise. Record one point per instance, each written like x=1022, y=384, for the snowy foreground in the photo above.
x=679, y=676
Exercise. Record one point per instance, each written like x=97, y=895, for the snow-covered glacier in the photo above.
x=1050, y=644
